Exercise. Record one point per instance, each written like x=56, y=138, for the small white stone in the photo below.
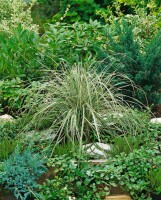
x=6, y=118
x=156, y=120
x=97, y=149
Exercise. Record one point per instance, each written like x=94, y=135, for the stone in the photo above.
x=97, y=149
x=6, y=118
x=118, y=197
x=156, y=120
x=41, y=135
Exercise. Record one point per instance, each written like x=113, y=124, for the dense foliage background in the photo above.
x=74, y=72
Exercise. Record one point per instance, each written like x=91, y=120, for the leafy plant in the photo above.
x=74, y=178
x=15, y=12
x=83, y=180
x=11, y=94
x=130, y=171
x=20, y=172
x=81, y=40
x=19, y=55
x=54, y=189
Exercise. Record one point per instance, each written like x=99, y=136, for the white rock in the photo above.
x=6, y=118
x=41, y=135
x=156, y=120
x=97, y=149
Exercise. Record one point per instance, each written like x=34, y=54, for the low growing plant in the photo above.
x=131, y=170
x=21, y=171
x=77, y=177
x=74, y=178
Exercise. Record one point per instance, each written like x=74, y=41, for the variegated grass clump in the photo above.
x=81, y=105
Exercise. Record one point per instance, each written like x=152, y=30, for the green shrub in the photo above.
x=74, y=11
x=19, y=55
x=142, y=66
x=145, y=25
x=13, y=12
x=9, y=130
x=72, y=43
x=20, y=172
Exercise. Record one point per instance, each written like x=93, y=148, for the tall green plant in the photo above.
x=19, y=54
x=80, y=105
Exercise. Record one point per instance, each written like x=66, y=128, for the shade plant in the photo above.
x=77, y=177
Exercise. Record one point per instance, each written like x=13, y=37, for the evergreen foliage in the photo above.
x=143, y=66
x=20, y=172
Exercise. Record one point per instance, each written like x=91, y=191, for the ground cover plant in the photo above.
x=20, y=172
x=83, y=180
